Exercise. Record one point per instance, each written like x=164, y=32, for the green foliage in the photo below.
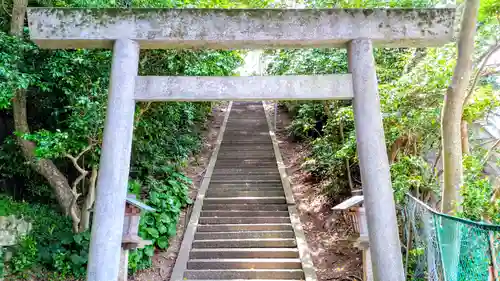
x=305, y=120
x=14, y=75
x=66, y=95
x=26, y=256
x=320, y=122
x=483, y=100
x=50, y=244
x=370, y=3
x=2, y=265
x=167, y=195
x=412, y=174
x=477, y=191
x=412, y=85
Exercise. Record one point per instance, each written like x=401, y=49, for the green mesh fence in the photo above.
x=445, y=248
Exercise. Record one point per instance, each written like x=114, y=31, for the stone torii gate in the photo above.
x=127, y=31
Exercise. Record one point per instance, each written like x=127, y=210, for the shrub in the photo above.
x=51, y=243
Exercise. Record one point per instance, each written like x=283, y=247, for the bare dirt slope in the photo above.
x=330, y=243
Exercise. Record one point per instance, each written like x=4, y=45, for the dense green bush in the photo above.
x=51, y=243
x=412, y=83
x=66, y=93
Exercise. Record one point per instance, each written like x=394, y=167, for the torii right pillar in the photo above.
x=385, y=246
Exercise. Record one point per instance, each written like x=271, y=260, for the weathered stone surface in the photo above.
x=199, y=88
x=11, y=229
x=239, y=29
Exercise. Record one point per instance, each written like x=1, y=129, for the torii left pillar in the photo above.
x=107, y=226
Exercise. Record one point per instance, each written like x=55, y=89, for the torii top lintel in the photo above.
x=239, y=29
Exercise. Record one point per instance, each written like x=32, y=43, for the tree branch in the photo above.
x=438, y=156
x=490, y=152
x=75, y=160
x=480, y=68
x=141, y=112
x=73, y=210
x=75, y=216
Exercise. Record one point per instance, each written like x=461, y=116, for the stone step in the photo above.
x=244, y=235
x=243, y=220
x=213, y=190
x=244, y=227
x=252, y=169
x=235, y=213
x=228, y=253
x=245, y=274
x=246, y=243
x=243, y=187
x=247, y=163
x=240, y=193
x=239, y=165
x=245, y=200
x=244, y=182
x=246, y=154
x=270, y=175
x=244, y=264
x=253, y=163
x=219, y=178
x=265, y=160
x=249, y=174
x=247, y=151
x=252, y=147
x=247, y=279
x=245, y=207
x=255, y=169
x=259, y=128
x=259, y=134
x=246, y=142
x=246, y=171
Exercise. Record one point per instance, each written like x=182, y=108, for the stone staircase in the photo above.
x=244, y=227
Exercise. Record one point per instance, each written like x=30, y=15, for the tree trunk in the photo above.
x=452, y=110
x=89, y=201
x=396, y=146
x=347, y=164
x=44, y=167
x=464, y=134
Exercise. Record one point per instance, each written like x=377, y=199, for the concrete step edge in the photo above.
x=245, y=274
x=245, y=207
x=244, y=234
x=257, y=263
x=245, y=250
x=243, y=227
x=242, y=220
x=239, y=213
x=247, y=198
x=232, y=193
x=275, y=260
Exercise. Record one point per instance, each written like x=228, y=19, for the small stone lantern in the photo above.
x=356, y=212
x=133, y=209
